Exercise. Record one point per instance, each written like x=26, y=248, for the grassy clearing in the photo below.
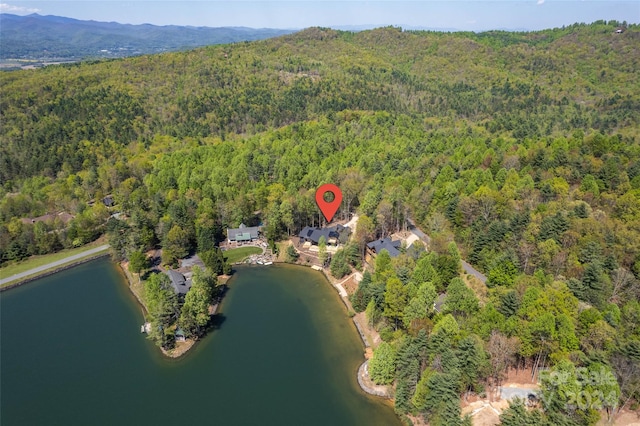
x=477, y=286
x=36, y=261
x=241, y=253
x=282, y=250
x=135, y=284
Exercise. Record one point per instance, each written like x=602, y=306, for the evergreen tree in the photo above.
x=442, y=403
x=461, y=300
x=214, y=260
x=383, y=267
x=552, y=227
x=194, y=314
x=372, y=312
x=292, y=254
x=408, y=368
x=509, y=303
x=352, y=256
x=117, y=234
x=447, y=268
x=395, y=300
x=592, y=282
x=162, y=306
x=577, y=288
x=518, y=415
x=208, y=234
x=339, y=267
x=362, y=295
x=382, y=365
x=402, y=403
x=425, y=272
x=470, y=355
x=455, y=255
x=591, y=253
x=422, y=390
x=580, y=210
x=420, y=306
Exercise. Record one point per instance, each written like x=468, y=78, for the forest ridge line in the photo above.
x=46, y=38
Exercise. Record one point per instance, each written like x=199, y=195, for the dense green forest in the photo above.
x=519, y=152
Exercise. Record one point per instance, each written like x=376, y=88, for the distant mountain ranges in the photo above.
x=36, y=37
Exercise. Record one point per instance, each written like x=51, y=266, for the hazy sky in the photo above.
x=458, y=14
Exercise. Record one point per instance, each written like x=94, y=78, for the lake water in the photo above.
x=286, y=353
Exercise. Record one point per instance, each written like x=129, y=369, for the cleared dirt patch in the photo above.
x=351, y=285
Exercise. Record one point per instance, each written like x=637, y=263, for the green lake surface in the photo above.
x=286, y=353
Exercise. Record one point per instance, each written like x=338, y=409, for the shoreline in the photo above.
x=372, y=389
x=47, y=273
x=362, y=374
x=181, y=348
x=130, y=283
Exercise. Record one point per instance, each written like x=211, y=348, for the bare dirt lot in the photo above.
x=625, y=418
x=351, y=285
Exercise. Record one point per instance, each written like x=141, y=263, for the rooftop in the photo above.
x=313, y=234
x=243, y=233
x=179, y=283
x=385, y=244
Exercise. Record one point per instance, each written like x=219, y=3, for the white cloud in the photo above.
x=9, y=8
x=540, y=2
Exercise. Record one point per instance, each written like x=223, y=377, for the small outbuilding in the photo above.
x=180, y=337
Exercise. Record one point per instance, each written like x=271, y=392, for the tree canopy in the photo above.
x=518, y=152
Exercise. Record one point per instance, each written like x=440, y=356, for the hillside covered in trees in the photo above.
x=36, y=37
x=519, y=152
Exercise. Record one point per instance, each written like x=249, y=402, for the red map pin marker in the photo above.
x=329, y=208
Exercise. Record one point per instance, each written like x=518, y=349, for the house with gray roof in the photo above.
x=180, y=284
x=385, y=244
x=243, y=233
x=109, y=201
x=333, y=235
